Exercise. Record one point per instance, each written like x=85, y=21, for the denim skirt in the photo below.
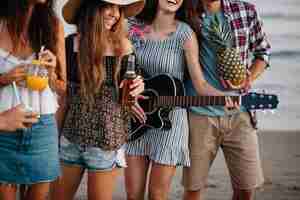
x=30, y=156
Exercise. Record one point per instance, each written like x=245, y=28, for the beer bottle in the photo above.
x=128, y=100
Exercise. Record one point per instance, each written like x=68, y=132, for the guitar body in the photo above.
x=165, y=92
x=157, y=117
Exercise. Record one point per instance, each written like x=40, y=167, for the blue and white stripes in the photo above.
x=156, y=57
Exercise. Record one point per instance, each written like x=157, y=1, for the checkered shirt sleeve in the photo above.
x=259, y=43
x=248, y=30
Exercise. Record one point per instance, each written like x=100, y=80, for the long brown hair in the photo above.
x=92, y=42
x=193, y=15
x=42, y=28
x=148, y=14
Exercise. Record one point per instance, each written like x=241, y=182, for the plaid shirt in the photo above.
x=247, y=28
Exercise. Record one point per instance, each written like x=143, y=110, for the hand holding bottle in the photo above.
x=131, y=88
x=136, y=86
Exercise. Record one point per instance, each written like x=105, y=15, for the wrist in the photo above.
x=250, y=79
x=52, y=80
x=3, y=80
x=50, y=71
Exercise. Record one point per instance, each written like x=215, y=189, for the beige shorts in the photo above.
x=239, y=142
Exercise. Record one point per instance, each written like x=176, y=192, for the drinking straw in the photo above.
x=16, y=93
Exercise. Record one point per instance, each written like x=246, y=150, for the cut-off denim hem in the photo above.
x=92, y=158
x=29, y=183
x=73, y=164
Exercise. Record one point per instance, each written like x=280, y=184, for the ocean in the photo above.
x=282, y=24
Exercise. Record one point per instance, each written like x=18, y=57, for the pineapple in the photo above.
x=230, y=66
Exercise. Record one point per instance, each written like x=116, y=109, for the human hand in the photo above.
x=231, y=105
x=47, y=59
x=244, y=87
x=137, y=86
x=17, y=118
x=17, y=74
x=137, y=111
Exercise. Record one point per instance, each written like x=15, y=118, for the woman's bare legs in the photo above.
x=66, y=186
x=37, y=191
x=101, y=184
x=8, y=192
x=160, y=181
x=136, y=177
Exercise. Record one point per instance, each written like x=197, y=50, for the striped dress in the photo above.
x=168, y=147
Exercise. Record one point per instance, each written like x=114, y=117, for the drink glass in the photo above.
x=37, y=77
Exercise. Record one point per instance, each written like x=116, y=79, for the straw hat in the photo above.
x=130, y=7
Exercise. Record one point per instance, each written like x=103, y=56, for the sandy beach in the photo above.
x=280, y=152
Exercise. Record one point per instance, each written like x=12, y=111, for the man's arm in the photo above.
x=259, y=46
x=256, y=69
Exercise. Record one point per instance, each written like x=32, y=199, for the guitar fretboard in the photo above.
x=187, y=101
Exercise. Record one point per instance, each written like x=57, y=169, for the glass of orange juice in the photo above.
x=37, y=77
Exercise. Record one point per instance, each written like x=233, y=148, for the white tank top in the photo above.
x=42, y=102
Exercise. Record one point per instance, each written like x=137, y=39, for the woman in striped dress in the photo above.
x=163, y=44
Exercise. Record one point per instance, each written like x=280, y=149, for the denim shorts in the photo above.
x=30, y=156
x=90, y=158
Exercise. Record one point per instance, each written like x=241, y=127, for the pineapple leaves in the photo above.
x=219, y=33
x=229, y=64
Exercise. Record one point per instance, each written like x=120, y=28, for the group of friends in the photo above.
x=71, y=122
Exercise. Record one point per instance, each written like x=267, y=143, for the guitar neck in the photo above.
x=187, y=101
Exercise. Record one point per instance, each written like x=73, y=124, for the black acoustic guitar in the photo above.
x=166, y=92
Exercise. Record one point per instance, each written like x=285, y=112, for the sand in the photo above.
x=281, y=164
